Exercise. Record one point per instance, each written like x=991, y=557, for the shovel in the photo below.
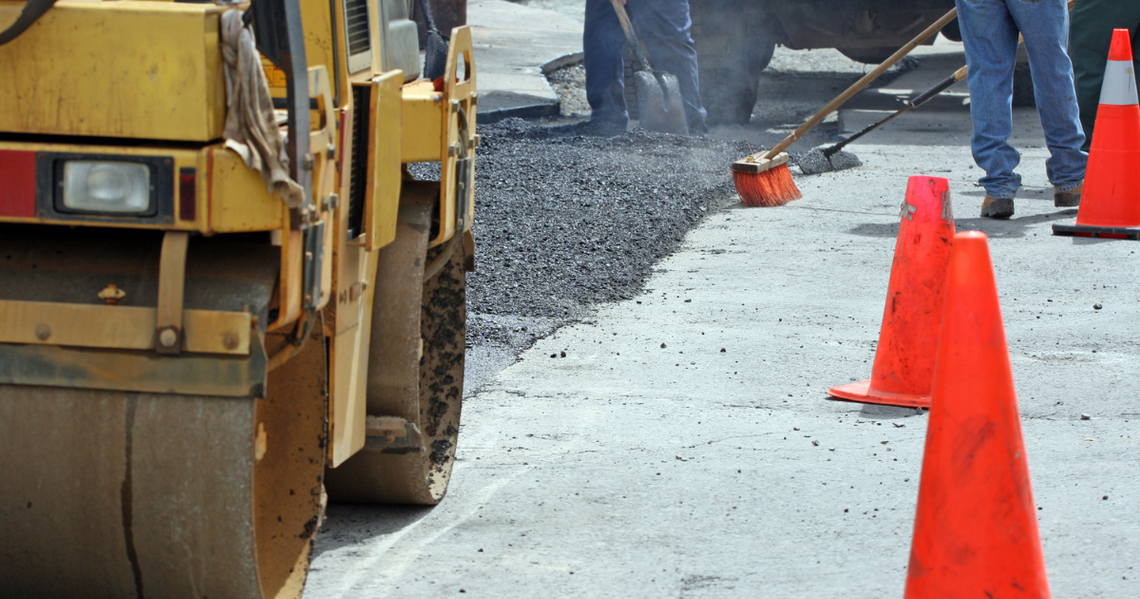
x=658, y=93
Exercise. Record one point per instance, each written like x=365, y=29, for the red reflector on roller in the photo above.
x=17, y=183
x=187, y=194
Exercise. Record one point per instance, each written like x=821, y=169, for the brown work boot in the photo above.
x=997, y=207
x=1068, y=199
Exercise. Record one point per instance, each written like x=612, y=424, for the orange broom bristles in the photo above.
x=773, y=187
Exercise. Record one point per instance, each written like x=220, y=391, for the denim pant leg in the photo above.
x=602, y=39
x=990, y=38
x=1045, y=26
x=666, y=28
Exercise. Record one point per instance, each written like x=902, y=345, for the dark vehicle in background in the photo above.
x=735, y=39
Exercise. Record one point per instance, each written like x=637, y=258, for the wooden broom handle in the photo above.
x=860, y=84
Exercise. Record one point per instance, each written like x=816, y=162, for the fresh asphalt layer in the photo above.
x=680, y=443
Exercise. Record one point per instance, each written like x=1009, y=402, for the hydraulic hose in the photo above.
x=33, y=10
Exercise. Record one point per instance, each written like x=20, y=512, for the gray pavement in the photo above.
x=671, y=452
x=650, y=463
x=513, y=45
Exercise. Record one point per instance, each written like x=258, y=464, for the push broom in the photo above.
x=763, y=179
x=914, y=102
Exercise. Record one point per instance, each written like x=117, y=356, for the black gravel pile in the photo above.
x=566, y=218
x=815, y=162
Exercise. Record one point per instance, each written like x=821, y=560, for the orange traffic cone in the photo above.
x=975, y=533
x=903, y=371
x=1110, y=202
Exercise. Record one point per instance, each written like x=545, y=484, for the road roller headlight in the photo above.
x=107, y=187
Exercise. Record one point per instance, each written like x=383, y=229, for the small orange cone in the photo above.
x=903, y=371
x=1110, y=202
x=975, y=533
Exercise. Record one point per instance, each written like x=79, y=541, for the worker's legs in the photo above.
x=666, y=28
x=990, y=38
x=1090, y=33
x=1045, y=26
x=602, y=39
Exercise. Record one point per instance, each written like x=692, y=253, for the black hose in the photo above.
x=33, y=10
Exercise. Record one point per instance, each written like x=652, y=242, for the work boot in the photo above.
x=997, y=207
x=1068, y=199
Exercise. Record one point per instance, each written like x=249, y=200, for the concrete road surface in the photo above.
x=649, y=463
x=681, y=444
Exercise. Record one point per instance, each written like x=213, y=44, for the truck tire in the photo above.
x=952, y=31
x=732, y=50
x=868, y=55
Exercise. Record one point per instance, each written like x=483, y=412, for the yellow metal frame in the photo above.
x=459, y=94
x=120, y=327
x=153, y=71
x=436, y=115
x=142, y=70
x=384, y=177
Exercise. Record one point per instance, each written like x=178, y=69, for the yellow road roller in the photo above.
x=224, y=298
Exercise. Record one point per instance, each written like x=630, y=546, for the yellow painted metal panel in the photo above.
x=349, y=354
x=350, y=282
x=83, y=368
x=349, y=350
x=385, y=176
x=289, y=285
x=319, y=44
x=421, y=123
x=147, y=70
x=458, y=94
x=431, y=126
x=237, y=197
x=119, y=327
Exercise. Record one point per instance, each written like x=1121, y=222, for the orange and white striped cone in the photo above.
x=1110, y=201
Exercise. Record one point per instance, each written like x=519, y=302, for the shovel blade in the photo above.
x=659, y=102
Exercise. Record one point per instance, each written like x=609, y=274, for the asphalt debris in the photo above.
x=815, y=162
x=571, y=216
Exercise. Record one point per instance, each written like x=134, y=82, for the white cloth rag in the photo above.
x=251, y=125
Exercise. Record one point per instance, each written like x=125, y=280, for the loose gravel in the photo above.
x=815, y=162
x=569, y=83
x=566, y=220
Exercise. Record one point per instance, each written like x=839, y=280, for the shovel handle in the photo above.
x=639, y=50
x=860, y=84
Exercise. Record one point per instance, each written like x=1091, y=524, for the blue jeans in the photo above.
x=989, y=31
x=665, y=27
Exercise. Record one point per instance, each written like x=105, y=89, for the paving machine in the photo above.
x=221, y=290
